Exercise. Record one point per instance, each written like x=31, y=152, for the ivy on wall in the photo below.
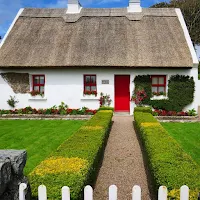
x=180, y=92
x=144, y=82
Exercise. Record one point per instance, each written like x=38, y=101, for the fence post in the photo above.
x=42, y=192
x=162, y=193
x=113, y=192
x=136, y=193
x=65, y=193
x=88, y=193
x=184, y=193
x=22, y=191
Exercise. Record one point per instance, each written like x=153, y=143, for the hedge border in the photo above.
x=87, y=143
x=169, y=164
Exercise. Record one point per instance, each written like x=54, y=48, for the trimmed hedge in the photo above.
x=143, y=109
x=169, y=164
x=76, y=162
x=106, y=108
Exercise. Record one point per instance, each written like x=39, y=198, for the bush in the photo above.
x=169, y=164
x=77, y=161
x=144, y=82
x=106, y=108
x=180, y=94
x=143, y=109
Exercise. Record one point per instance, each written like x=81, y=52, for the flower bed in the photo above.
x=169, y=164
x=174, y=113
x=49, y=111
x=76, y=162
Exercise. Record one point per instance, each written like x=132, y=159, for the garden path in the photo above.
x=123, y=163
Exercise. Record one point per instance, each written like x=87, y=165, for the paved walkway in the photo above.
x=123, y=162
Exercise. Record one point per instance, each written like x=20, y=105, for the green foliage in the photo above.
x=144, y=82
x=143, y=109
x=169, y=164
x=87, y=143
x=106, y=108
x=192, y=112
x=180, y=94
x=12, y=102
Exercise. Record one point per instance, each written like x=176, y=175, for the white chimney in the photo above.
x=134, y=6
x=73, y=7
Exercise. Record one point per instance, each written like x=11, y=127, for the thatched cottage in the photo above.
x=67, y=53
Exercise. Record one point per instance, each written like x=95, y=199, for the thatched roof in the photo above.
x=96, y=38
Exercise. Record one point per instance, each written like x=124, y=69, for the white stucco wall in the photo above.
x=67, y=85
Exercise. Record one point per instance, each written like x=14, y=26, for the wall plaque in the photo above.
x=105, y=81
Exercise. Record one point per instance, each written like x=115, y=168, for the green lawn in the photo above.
x=38, y=137
x=187, y=135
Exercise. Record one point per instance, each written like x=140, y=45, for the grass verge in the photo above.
x=188, y=136
x=169, y=164
x=76, y=162
x=38, y=137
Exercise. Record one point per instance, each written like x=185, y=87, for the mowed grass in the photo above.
x=188, y=136
x=38, y=137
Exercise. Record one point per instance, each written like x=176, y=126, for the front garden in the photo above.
x=39, y=138
x=170, y=162
x=188, y=136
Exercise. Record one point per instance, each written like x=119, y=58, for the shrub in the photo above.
x=169, y=164
x=144, y=82
x=12, y=102
x=143, y=109
x=80, y=154
x=180, y=93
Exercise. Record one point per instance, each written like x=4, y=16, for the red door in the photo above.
x=122, y=93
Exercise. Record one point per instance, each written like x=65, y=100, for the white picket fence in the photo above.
x=88, y=192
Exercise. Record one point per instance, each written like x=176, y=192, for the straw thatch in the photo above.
x=96, y=37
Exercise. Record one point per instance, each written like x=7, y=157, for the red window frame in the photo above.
x=159, y=85
x=37, y=84
x=90, y=84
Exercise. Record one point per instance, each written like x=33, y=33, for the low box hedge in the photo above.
x=106, y=108
x=76, y=162
x=168, y=163
x=143, y=109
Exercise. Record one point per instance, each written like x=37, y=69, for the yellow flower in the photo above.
x=150, y=124
x=91, y=127
x=55, y=165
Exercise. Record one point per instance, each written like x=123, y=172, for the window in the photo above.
x=158, y=83
x=90, y=83
x=38, y=83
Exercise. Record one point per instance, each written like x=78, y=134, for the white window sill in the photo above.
x=159, y=97
x=89, y=97
x=37, y=98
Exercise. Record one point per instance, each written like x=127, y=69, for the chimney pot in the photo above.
x=134, y=6
x=73, y=7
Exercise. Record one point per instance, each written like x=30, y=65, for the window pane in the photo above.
x=42, y=89
x=41, y=79
x=93, y=79
x=87, y=79
x=93, y=88
x=154, y=80
x=36, y=80
x=161, y=89
x=161, y=80
x=36, y=88
x=154, y=89
x=87, y=88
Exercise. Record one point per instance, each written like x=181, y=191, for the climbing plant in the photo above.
x=180, y=92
